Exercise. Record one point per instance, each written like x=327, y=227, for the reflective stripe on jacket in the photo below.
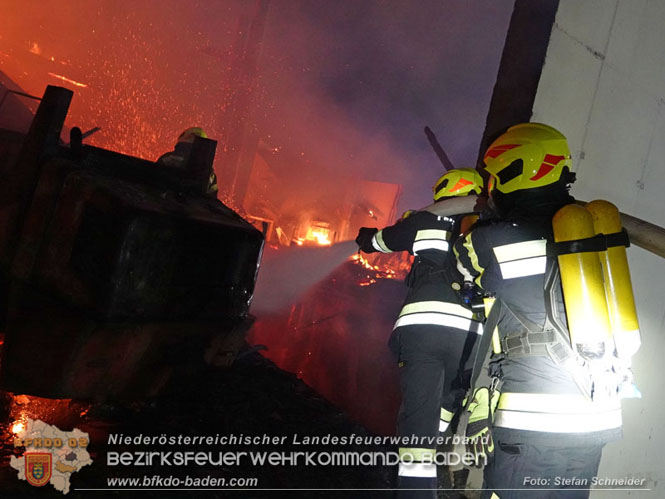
x=557, y=413
x=440, y=314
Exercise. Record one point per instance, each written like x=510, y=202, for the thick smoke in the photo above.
x=364, y=78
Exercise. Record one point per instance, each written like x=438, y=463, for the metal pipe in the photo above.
x=453, y=206
x=440, y=153
x=644, y=234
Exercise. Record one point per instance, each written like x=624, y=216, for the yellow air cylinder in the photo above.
x=583, y=287
x=618, y=288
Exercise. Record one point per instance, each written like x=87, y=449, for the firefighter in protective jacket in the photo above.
x=554, y=413
x=434, y=333
x=181, y=152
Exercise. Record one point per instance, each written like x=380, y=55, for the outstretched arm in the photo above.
x=456, y=206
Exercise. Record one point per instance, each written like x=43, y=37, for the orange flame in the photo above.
x=320, y=236
x=316, y=234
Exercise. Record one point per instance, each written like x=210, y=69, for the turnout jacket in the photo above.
x=540, y=399
x=431, y=299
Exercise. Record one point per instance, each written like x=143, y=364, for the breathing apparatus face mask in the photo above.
x=498, y=203
x=491, y=210
x=502, y=204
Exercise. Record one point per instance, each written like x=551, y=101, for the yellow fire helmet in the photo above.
x=526, y=156
x=189, y=134
x=458, y=182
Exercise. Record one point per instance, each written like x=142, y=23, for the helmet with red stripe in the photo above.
x=527, y=156
x=458, y=182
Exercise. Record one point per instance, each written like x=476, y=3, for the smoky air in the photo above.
x=287, y=273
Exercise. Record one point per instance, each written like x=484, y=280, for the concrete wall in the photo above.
x=603, y=86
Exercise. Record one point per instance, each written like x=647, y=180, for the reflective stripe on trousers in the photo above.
x=417, y=462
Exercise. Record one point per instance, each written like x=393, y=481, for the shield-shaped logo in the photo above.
x=37, y=468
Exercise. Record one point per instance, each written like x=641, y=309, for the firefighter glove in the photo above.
x=364, y=238
x=479, y=440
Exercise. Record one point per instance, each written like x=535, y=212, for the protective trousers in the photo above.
x=431, y=359
x=522, y=470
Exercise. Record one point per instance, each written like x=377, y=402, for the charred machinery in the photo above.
x=117, y=273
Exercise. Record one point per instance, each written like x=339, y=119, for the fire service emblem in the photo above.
x=37, y=468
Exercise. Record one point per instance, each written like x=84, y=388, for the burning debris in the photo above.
x=383, y=266
x=67, y=80
x=318, y=232
x=142, y=344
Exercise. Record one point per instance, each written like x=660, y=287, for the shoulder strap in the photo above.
x=560, y=351
x=484, y=345
x=552, y=294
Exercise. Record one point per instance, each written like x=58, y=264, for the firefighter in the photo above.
x=178, y=157
x=434, y=333
x=554, y=413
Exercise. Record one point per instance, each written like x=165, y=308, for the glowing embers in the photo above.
x=52, y=411
x=65, y=79
x=35, y=48
x=358, y=258
x=382, y=266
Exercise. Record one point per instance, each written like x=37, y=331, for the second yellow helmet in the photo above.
x=189, y=134
x=458, y=182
